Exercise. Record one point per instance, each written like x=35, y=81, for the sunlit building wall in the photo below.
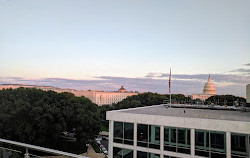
x=104, y=97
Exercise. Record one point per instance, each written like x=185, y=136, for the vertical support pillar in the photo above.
x=192, y=142
x=228, y=144
x=135, y=140
x=111, y=136
x=162, y=141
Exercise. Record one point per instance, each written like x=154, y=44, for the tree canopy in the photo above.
x=39, y=117
x=229, y=100
x=143, y=99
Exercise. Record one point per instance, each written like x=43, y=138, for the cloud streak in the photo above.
x=152, y=82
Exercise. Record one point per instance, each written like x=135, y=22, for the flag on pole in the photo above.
x=169, y=82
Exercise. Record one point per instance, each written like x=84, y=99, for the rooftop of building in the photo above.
x=162, y=110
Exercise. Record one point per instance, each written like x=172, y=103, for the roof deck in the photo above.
x=230, y=114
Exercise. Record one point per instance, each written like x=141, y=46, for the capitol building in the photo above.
x=208, y=91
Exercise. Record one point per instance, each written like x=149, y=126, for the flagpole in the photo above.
x=170, y=87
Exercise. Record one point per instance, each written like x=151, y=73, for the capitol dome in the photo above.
x=209, y=87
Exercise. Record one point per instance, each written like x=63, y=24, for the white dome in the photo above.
x=209, y=87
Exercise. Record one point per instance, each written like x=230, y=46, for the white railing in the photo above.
x=38, y=148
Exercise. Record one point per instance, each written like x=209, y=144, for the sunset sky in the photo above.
x=96, y=44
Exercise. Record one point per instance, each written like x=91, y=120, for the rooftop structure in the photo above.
x=180, y=131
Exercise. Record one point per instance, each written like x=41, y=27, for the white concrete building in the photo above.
x=208, y=91
x=176, y=132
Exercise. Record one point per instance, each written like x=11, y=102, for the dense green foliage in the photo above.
x=228, y=100
x=39, y=117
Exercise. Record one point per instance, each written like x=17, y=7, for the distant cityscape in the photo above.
x=101, y=97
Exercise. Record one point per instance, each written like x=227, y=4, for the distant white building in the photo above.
x=105, y=97
x=208, y=91
x=96, y=96
x=179, y=131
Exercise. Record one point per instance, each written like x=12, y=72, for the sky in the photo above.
x=96, y=44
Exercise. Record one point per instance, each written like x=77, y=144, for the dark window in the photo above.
x=117, y=152
x=118, y=129
x=151, y=155
x=177, y=139
x=239, y=145
x=217, y=140
x=122, y=153
x=173, y=135
x=166, y=134
x=148, y=136
x=199, y=139
x=169, y=156
x=128, y=133
x=210, y=144
x=142, y=132
x=141, y=154
x=154, y=137
x=181, y=136
x=123, y=133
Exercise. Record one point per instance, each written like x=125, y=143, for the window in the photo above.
x=123, y=132
x=141, y=154
x=165, y=156
x=210, y=144
x=118, y=132
x=128, y=133
x=239, y=145
x=142, y=135
x=122, y=153
x=148, y=136
x=177, y=139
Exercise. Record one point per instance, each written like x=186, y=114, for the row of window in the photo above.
x=207, y=143
x=128, y=153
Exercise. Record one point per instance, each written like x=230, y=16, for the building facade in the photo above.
x=105, y=97
x=208, y=91
x=170, y=132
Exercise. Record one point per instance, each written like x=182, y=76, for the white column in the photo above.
x=162, y=141
x=192, y=142
x=228, y=144
x=135, y=140
x=111, y=133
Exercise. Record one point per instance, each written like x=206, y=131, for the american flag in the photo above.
x=169, y=82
